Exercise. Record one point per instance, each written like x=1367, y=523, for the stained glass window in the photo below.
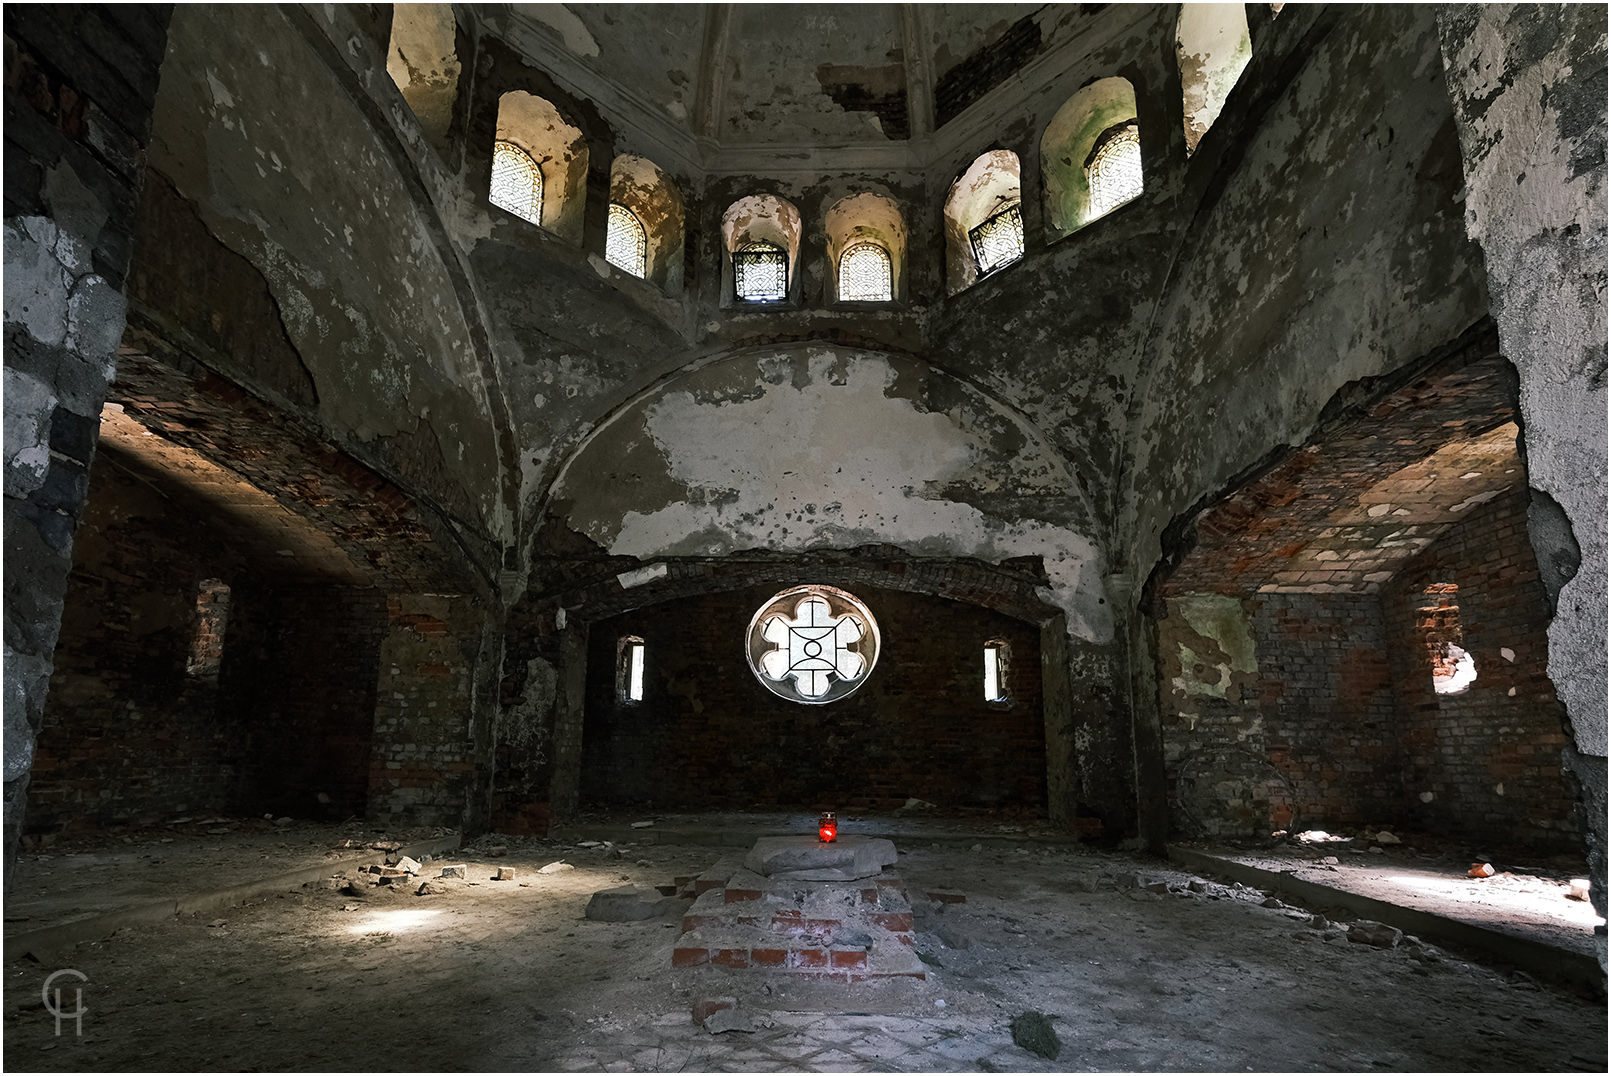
x=864, y=274
x=998, y=241
x=625, y=244
x=1114, y=171
x=761, y=273
x=517, y=182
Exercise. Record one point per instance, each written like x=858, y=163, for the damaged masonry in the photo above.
x=896, y=537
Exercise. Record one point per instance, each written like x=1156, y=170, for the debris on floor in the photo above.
x=1034, y=1032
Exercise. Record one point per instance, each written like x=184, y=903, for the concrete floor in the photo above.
x=509, y=975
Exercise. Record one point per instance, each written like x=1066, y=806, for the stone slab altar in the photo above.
x=807, y=859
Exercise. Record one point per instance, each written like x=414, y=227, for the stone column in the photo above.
x=78, y=117
x=1528, y=84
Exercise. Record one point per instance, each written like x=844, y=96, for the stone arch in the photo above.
x=652, y=196
x=991, y=183
x=761, y=218
x=866, y=218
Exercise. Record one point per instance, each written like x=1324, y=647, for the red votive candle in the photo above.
x=827, y=826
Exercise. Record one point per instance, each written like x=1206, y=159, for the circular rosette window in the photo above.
x=812, y=644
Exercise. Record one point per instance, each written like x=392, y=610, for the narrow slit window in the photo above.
x=864, y=274
x=995, y=672
x=1113, y=172
x=517, y=182
x=999, y=241
x=1453, y=669
x=761, y=273
x=625, y=246
x=212, y=617
x=632, y=670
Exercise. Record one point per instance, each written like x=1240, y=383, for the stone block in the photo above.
x=624, y=904
x=455, y=870
x=408, y=866
x=555, y=868
x=704, y=1008
x=505, y=874
x=807, y=859
x=1379, y=935
x=733, y=1019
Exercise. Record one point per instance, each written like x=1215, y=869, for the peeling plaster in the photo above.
x=819, y=448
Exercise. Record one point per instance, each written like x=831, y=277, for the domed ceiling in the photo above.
x=726, y=76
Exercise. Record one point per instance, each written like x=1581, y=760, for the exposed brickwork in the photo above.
x=1490, y=755
x=423, y=767
x=128, y=735
x=979, y=73
x=708, y=735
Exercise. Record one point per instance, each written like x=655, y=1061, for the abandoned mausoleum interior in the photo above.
x=827, y=537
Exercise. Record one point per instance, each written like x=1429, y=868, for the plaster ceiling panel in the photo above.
x=799, y=73
x=652, y=50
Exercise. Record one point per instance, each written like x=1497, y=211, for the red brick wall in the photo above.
x=1325, y=694
x=422, y=763
x=707, y=735
x=1490, y=755
x=128, y=736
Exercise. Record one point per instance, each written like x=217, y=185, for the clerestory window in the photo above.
x=999, y=240
x=625, y=245
x=517, y=182
x=1113, y=171
x=761, y=272
x=864, y=274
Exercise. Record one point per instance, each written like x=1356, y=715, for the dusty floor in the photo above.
x=505, y=975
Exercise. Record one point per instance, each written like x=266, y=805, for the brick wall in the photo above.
x=1330, y=717
x=1489, y=757
x=422, y=764
x=129, y=735
x=300, y=671
x=708, y=735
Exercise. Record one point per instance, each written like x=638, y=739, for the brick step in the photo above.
x=851, y=965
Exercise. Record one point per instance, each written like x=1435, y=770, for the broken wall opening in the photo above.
x=1306, y=628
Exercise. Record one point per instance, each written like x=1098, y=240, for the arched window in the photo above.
x=984, y=227
x=625, y=244
x=999, y=240
x=761, y=272
x=1090, y=156
x=517, y=182
x=1113, y=171
x=864, y=274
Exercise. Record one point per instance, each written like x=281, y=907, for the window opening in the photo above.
x=1113, y=171
x=998, y=241
x=631, y=678
x=1453, y=669
x=625, y=245
x=761, y=272
x=995, y=672
x=812, y=644
x=212, y=616
x=864, y=274
x=517, y=182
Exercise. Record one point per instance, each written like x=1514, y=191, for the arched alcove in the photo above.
x=424, y=63
x=989, y=188
x=651, y=195
x=860, y=220
x=754, y=222
x=1089, y=123
x=535, y=126
x=1212, y=46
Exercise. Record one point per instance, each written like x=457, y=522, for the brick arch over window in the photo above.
x=990, y=186
x=1088, y=123
x=642, y=188
x=866, y=219
x=535, y=126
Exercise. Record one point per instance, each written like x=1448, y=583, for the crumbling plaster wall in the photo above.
x=1333, y=252
x=1529, y=90
x=342, y=235
x=815, y=446
x=77, y=122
